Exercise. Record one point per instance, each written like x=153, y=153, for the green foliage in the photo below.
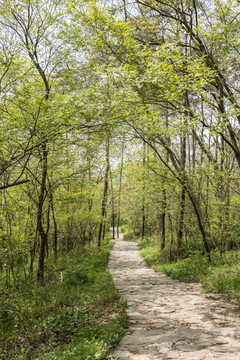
x=150, y=251
x=95, y=341
x=129, y=234
x=192, y=269
x=224, y=279
x=81, y=316
x=159, y=81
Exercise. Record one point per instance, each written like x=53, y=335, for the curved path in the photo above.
x=170, y=319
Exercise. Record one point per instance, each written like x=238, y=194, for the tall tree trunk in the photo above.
x=229, y=242
x=120, y=190
x=40, y=229
x=102, y=225
x=33, y=253
x=184, y=181
x=183, y=191
x=163, y=219
x=143, y=193
x=171, y=242
x=164, y=194
x=55, y=232
x=181, y=220
x=47, y=230
x=113, y=208
x=224, y=195
x=196, y=205
x=90, y=200
x=125, y=10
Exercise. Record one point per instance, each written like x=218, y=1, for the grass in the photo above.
x=129, y=234
x=222, y=275
x=81, y=317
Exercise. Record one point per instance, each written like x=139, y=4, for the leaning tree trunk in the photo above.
x=184, y=181
x=102, y=226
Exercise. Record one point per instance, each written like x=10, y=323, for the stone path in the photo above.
x=170, y=319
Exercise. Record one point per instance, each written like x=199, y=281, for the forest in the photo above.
x=121, y=114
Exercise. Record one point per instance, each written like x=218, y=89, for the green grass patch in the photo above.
x=224, y=279
x=151, y=252
x=192, y=269
x=221, y=275
x=81, y=317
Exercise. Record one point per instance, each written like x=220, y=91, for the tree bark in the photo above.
x=181, y=220
x=184, y=181
x=113, y=208
x=143, y=194
x=172, y=240
x=40, y=229
x=102, y=225
x=163, y=219
x=120, y=190
x=183, y=191
x=55, y=232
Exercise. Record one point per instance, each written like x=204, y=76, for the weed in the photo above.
x=222, y=275
x=78, y=315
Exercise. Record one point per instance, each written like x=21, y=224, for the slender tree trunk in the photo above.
x=125, y=10
x=113, y=208
x=43, y=235
x=229, y=243
x=184, y=181
x=143, y=193
x=198, y=212
x=118, y=225
x=183, y=192
x=226, y=242
x=193, y=155
x=171, y=242
x=120, y=191
x=221, y=197
x=143, y=223
x=90, y=201
x=32, y=254
x=55, y=232
x=181, y=220
x=102, y=225
x=164, y=195
x=69, y=234
x=163, y=219
x=47, y=230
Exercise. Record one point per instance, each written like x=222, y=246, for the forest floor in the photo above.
x=170, y=319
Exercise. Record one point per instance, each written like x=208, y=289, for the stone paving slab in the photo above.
x=169, y=319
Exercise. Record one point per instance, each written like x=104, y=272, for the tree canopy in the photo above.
x=122, y=113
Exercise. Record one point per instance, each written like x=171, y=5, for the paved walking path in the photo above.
x=170, y=319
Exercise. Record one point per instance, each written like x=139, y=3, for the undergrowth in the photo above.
x=75, y=315
x=221, y=275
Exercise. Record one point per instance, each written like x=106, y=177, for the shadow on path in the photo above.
x=170, y=319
